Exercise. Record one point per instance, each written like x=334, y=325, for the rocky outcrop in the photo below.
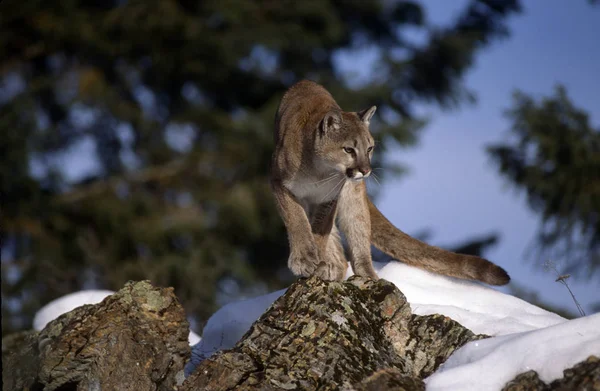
x=136, y=339
x=332, y=335
x=20, y=361
x=584, y=376
x=355, y=335
x=390, y=379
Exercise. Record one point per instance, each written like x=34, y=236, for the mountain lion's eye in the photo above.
x=369, y=149
x=348, y=150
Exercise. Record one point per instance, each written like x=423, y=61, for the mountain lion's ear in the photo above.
x=331, y=122
x=366, y=115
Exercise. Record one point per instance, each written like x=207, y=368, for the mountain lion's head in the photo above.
x=344, y=144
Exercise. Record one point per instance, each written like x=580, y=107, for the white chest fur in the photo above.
x=315, y=190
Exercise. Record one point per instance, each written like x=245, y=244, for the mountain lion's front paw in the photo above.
x=303, y=261
x=331, y=271
x=366, y=271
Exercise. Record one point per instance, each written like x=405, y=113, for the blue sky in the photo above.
x=552, y=41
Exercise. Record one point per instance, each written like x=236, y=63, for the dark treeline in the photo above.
x=136, y=136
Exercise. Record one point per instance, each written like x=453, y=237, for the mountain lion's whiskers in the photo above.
x=326, y=180
x=342, y=181
x=375, y=177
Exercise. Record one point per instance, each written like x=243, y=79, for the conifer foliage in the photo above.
x=136, y=135
x=553, y=155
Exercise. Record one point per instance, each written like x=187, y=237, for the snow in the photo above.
x=524, y=337
x=229, y=324
x=479, y=308
x=490, y=363
x=65, y=304
x=69, y=302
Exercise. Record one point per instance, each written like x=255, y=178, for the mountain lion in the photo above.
x=322, y=156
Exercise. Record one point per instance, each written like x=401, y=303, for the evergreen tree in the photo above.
x=136, y=135
x=554, y=156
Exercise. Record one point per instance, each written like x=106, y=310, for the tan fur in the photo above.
x=322, y=156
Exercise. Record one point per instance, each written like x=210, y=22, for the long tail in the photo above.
x=409, y=250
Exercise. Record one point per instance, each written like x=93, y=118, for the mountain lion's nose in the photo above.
x=364, y=171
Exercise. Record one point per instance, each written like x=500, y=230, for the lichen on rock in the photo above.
x=334, y=335
x=135, y=339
